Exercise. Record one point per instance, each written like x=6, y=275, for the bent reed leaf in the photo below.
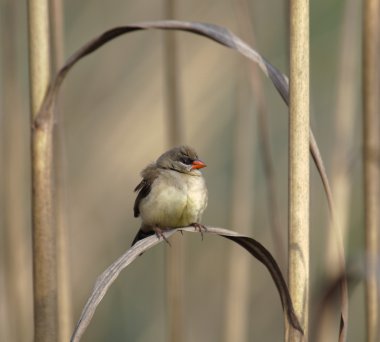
x=105, y=280
x=216, y=33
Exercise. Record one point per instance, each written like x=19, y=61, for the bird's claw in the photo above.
x=200, y=228
x=160, y=234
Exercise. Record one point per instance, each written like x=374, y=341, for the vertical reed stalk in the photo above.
x=299, y=164
x=371, y=158
x=44, y=243
x=175, y=256
x=65, y=319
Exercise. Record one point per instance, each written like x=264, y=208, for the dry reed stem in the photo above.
x=44, y=243
x=371, y=161
x=299, y=163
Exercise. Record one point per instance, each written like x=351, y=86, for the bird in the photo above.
x=172, y=194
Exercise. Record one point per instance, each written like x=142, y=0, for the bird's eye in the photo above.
x=186, y=160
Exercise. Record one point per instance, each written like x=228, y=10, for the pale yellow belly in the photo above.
x=174, y=206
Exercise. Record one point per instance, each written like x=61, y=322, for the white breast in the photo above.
x=175, y=200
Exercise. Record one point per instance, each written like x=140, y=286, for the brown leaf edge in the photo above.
x=105, y=280
x=216, y=33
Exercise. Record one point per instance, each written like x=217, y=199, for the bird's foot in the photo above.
x=160, y=234
x=199, y=227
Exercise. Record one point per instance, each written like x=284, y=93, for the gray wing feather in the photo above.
x=149, y=174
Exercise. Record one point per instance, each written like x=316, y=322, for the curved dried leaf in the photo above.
x=106, y=279
x=216, y=33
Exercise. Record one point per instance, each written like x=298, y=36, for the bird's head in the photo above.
x=182, y=159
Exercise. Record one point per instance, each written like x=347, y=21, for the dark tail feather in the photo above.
x=142, y=235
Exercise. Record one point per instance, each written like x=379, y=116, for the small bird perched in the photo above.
x=172, y=193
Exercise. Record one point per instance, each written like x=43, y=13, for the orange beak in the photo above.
x=198, y=164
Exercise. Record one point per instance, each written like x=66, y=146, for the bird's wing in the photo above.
x=150, y=173
x=144, y=189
